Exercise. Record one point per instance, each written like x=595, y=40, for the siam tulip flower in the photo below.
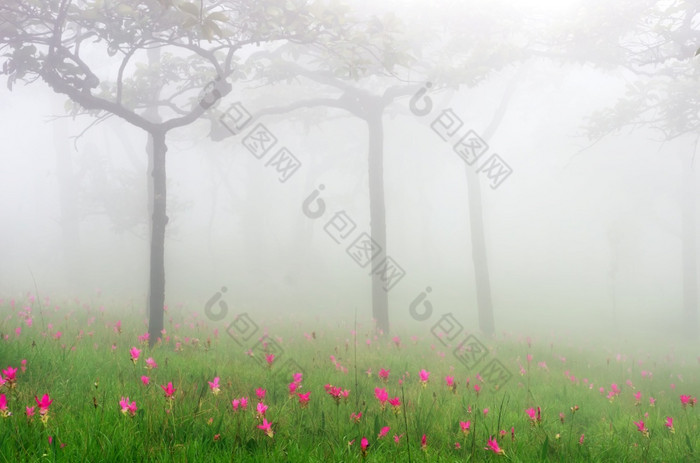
x=293, y=388
x=261, y=408
x=244, y=402
x=24, y=365
x=269, y=358
x=458, y=446
x=532, y=414
x=477, y=388
x=486, y=411
x=169, y=390
x=685, y=399
x=382, y=396
x=450, y=381
x=512, y=433
x=580, y=440
x=127, y=407
x=669, y=424
x=384, y=374
x=424, y=375
x=44, y=404
x=145, y=380
x=397, y=341
x=143, y=339
x=465, y=426
x=267, y=427
x=297, y=378
x=652, y=401
x=397, y=438
x=151, y=364
x=424, y=443
x=642, y=428
x=134, y=352
x=2, y=381
x=356, y=416
x=260, y=392
x=383, y=432
x=118, y=327
x=493, y=446
x=364, y=443
x=10, y=376
x=214, y=386
x=637, y=397
x=561, y=417
x=235, y=403
x=29, y=411
x=396, y=404
x=4, y=411
x=304, y=399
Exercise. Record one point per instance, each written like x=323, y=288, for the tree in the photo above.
x=384, y=63
x=657, y=50
x=64, y=44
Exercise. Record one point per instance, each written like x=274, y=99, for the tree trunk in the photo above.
x=690, y=255
x=159, y=221
x=151, y=113
x=476, y=223
x=479, y=258
x=377, y=211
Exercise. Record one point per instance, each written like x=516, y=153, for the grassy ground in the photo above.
x=587, y=403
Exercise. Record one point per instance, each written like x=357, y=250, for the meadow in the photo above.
x=80, y=383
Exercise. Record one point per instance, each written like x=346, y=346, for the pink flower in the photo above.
x=381, y=395
x=424, y=375
x=43, y=404
x=267, y=427
x=638, y=397
x=686, y=399
x=145, y=380
x=235, y=403
x=383, y=432
x=396, y=403
x=269, y=358
x=364, y=443
x=304, y=399
x=356, y=416
x=450, y=380
x=642, y=428
x=262, y=408
x=4, y=411
x=384, y=374
x=465, y=426
x=652, y=401
x=214, y=386
x=260, y=392
x=244, y=402
x=293, y=388
x=669, y=424
x=397, y=438
x=29, y=412
x=580, y=441
x=424, y=442
x=10, y=375
x=134, y=352
x=531, y=413
x=486, y=411
x=493, y=446
x=127, y=407
x=297, y=378
x=477, y=388
x=169, y=390
x=150, y=363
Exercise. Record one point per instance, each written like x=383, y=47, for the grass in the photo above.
x=87, y=369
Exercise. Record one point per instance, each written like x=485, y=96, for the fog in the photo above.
x=583, y=237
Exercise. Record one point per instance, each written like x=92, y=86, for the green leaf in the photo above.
x=688, y=443
x=545, y=448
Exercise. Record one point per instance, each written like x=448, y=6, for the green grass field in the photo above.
x=554, y=402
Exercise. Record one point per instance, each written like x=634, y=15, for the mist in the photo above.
x=583, y=237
